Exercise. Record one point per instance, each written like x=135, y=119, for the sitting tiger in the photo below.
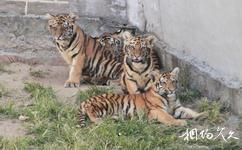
x=141, y=64
x=83, y=53
x=158, y=102
x=114, y=42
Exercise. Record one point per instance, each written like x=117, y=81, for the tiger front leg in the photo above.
x=129, y=86
x=75, y=74
x=187, y=113
x=165, y=118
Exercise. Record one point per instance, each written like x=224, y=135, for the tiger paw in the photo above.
x=181, y=122
x=71, y=84
x=202, y=116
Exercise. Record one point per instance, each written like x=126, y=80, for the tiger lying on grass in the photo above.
x=158, y=102
x=83, y=53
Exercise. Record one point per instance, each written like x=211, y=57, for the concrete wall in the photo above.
x=34, y=7
x=114, y=10
x=23, y=27
x=206, y=34
x=209, y=31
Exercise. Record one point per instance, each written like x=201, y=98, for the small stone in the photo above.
x=78, y=126
x=23, y=118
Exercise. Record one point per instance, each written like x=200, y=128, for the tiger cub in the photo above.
x=158, y=102
x=83, y=53
x=114, y=42
x=140, y=63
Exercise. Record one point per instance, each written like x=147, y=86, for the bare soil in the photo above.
x=13, y=79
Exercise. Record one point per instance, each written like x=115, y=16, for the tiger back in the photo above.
x=83, y=53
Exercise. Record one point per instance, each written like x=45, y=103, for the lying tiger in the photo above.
x=141, y=64
x=83, y=53
x=159, y=102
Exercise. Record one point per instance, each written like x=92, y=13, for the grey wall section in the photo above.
x=206, y=33
x=209, y=31
x=111, y=9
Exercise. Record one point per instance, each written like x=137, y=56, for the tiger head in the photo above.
x=137, y=49
x=112, y=43
x=62, y=27
x=167, y=82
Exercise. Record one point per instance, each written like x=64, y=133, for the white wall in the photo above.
x=208, y=30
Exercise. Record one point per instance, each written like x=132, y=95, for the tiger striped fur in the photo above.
x=83, y=53
x=140, y=64
x=158, y=102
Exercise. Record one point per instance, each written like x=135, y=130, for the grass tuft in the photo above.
x=20, y=143
x=9, y=110
x=214, y=111
x=188, y=95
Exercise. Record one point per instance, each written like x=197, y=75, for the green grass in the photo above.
x=213, y=108
x=53, y=125
x=189, y=96
x=9, y=110
x=14, y=143
x=186, y=94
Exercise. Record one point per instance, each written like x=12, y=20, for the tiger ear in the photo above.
x=175, y=72
x=101, y=42
x=151, y=39
x=49, y=16
x=126, y=35
x=73, y=16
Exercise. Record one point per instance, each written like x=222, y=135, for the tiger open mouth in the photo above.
x=137, y=60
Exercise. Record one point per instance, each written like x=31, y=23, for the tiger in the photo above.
x=84, y=54
x=114, y=42
x=159, y=103
x=140, y=63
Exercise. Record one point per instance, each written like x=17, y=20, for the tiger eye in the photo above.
x=65, y=24
x=130, y=47
x=117, y=42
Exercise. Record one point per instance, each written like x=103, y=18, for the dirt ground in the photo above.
x=13, y=78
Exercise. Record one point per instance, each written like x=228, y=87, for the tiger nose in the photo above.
x=59, y=37
x=142, y=90
x=137, y=57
